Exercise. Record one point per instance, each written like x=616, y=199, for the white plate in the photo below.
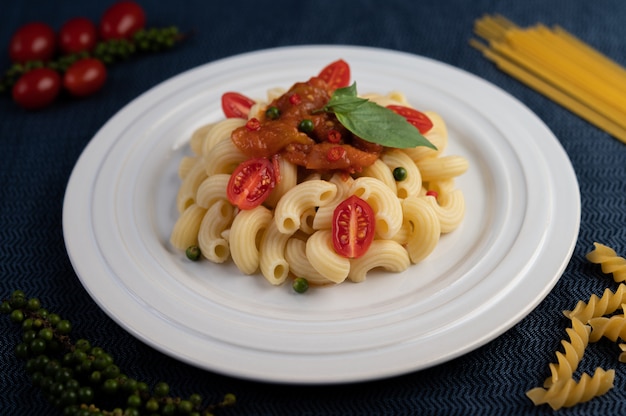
x=521, y=225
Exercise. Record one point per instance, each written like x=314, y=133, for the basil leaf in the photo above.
x=344, y=104
x=372, y=122
x=380, y=125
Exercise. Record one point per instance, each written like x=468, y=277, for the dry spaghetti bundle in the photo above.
x=559, y=66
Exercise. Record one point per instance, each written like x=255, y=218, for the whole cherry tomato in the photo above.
x=353, y=227
x=77, y=35
x=251, y=183
x=37, y=88
x=32, y=42
x=122, y=20
x=84, y=77
x=336, y=74
x=236, y=105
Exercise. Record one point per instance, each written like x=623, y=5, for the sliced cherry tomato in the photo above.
x=122, y=20
x=84, y=77
x=336, y=74
x=353, y=227
x=251, y=183
x=37, y=88
x=32, y=42
x=236, y=105
x=416, y=118
x=77, y=35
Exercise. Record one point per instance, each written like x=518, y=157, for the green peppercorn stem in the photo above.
x=109, y=52
x=80, y=378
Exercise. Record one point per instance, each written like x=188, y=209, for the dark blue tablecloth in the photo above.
x=39, y=149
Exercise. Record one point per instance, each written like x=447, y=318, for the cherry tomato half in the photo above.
x=84, y=77
x=353, y=227
x=416, y=118
x=122, y=20
x=32, y=42
x=37, y=88
x=251, y=183
x=77, y=35
x=336, y=74
x=236, y=105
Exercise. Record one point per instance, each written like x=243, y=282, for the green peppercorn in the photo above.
x=306, y=126
x=300, y=284
x=193, y=253
x=272, y=113
x=399, y=173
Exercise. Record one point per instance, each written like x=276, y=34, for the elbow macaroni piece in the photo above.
x=219, y=132
x=212, y=189
x=245, y=237
x=412, y=185
x=324, y=259
x=288, y=179
x=386, y=254
x=224, y=157
x=272, y=262
x=187, y=192
x=423, y=225
x=384, y=202
x=212, y=245
x=299, y=199
x=299, y=264
x=382, y=172
x=186, y=228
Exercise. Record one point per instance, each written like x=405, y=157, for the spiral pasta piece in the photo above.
x=569, y=392
x=609, y=261
x=611, y=328
x=573, y=353
x=622, y=355
x=596, y=307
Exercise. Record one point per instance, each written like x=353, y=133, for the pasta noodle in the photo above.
x=596, y=307
x=611, y=328
x=383, y=201
x=299, y=264
x=290, y=234
x=571, y=393
x=297, y=200
x=245, y=236
x=574, y=350
x=423, y=225
x=386, y=254
x=589, y=324
x=212, y=245
x=324, y=259
x=561, y=67
x=609, y=261
x=185, y=232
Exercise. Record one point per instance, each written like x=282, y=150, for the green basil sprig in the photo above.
x=372, y=122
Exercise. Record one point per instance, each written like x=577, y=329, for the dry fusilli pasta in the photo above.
x=569, y=392
x=574, y=351
x=610, y=262
x=596, y=307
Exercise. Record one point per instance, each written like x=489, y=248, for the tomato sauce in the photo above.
x=326, y=146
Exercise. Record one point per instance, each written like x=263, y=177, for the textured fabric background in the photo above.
x=38, y=151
